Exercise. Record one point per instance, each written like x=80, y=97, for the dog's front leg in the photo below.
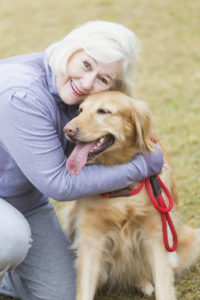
x=88, y=268
x=162, y=271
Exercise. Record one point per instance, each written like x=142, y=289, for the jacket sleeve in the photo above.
x=31, y=138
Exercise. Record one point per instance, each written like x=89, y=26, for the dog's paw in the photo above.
x=146, y=288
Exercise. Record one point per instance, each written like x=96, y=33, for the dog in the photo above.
x=119, y=241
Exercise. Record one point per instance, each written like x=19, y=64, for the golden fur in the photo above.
x=119, y=240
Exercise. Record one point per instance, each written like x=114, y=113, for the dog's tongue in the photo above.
x=78, y=157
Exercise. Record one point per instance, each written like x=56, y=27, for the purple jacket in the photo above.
x=33, y=148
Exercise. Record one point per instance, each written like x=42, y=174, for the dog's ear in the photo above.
x=142, y=121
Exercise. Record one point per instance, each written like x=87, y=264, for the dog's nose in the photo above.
x=71, y=130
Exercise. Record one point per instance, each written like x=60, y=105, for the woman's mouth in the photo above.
x=75, y=90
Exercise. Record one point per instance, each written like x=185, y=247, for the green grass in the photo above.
x=168, y=78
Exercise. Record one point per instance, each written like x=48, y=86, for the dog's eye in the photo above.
x=80, y=110
x=103, y=111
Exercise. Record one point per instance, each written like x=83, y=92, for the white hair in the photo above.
x=106, y=42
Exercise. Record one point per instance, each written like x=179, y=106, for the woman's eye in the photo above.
x=103, y=80
x=87, y=65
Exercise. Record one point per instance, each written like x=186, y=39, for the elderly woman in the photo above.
x=39, y=94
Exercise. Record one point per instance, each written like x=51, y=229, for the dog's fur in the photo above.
x=119, y=240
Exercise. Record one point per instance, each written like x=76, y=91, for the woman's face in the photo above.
x=85, y=76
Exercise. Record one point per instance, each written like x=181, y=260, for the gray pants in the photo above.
x=43, y=270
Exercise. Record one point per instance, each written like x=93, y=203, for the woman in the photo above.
x=39, y=94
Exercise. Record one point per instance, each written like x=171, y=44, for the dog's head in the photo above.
x=110, y=129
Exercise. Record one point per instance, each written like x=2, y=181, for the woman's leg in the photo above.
x=15, y=238
x=47, y=273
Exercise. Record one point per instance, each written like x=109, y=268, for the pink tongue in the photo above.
x=78, y=157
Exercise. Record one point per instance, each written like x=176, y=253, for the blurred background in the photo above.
x=168, y=77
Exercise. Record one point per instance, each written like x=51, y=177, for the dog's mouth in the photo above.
x=101, y=145
x=85, y=151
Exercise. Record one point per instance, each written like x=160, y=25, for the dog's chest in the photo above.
x=116, y=227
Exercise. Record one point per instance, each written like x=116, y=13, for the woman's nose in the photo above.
x=88, y=81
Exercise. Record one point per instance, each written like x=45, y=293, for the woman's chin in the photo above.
x=71, y=99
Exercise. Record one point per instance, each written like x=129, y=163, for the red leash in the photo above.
x=158, y=202
x=128, y=192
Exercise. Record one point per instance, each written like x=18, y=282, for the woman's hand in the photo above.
x=154, y=161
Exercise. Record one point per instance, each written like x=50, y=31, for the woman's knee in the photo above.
x=15, y=236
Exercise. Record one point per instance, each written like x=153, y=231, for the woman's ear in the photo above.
x=142, y=121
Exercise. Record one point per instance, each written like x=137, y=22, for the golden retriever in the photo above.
x=119, y=240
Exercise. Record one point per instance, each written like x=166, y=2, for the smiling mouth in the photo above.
x=86, y=151
x=75, y=90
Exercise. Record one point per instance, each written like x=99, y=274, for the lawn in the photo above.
x=168, y=79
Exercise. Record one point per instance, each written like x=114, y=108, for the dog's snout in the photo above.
x=71, y=130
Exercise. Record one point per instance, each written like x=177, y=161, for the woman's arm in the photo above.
x=32, y=140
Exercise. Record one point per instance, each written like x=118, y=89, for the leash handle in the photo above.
x=157, y=181
x=166, y=219
x=159, y=204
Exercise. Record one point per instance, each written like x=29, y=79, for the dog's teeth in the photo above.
x=99, y=143
x=101, y=140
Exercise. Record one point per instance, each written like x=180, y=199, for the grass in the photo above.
x=168, y=78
